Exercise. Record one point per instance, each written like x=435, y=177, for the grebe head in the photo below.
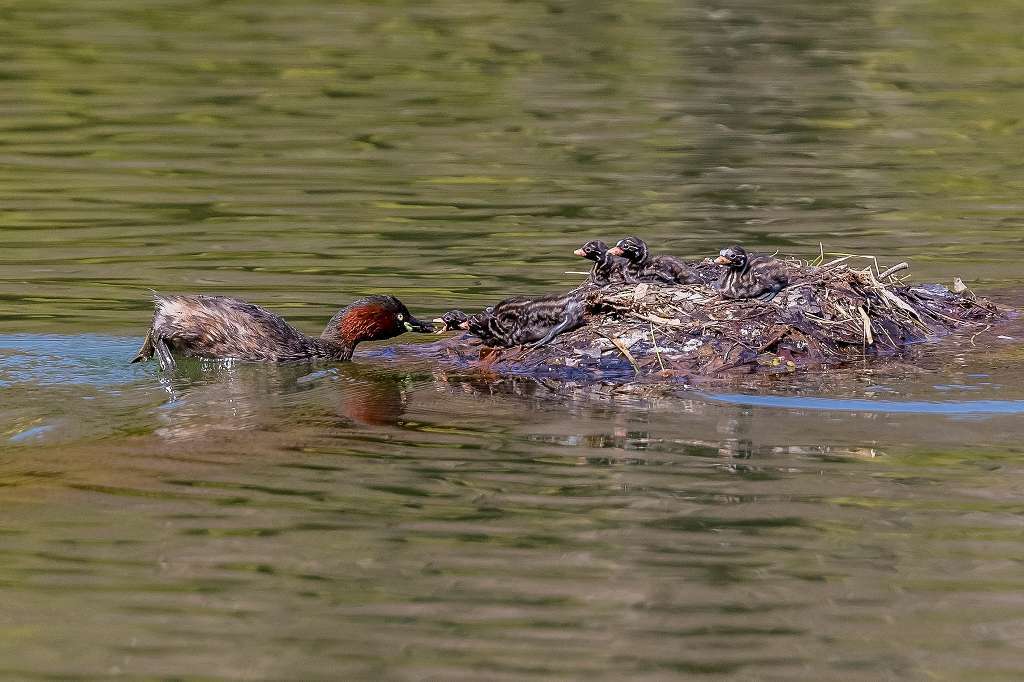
x=734, y=257
x=632, y=248
x=593, y=250
x=452, y=320
x=372, y=318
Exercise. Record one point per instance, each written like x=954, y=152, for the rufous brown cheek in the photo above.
x=365, y=323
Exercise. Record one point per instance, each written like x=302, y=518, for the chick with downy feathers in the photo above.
x=643, y=267
x=520, y=320
x=750, y=275
x=607, y=268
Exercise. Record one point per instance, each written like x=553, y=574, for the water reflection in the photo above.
x=659, y=536
x=207, y=397
x=966, y=408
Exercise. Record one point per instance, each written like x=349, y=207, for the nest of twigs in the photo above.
x=830, y=314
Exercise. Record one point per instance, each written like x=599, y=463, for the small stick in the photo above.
x=894, y=269
x=667, y=321
x=657, y=353
x=847, y=256
x=888, y=297
x=981, y=332
x=625, y=352
x=525, y=351
x=868, y=336
x=822, y=320
x=936, y=313
x=882, y=327
x=837, y=261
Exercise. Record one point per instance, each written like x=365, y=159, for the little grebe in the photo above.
x=521, y=320
x=607, y=268
x=645, y=267
x=218, y=327
x=750, y=276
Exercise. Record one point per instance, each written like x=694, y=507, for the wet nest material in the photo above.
x=830, y=315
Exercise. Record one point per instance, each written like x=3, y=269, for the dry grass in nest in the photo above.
x=831, y=313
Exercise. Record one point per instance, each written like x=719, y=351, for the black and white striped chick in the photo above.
x=607, y=268
x=643, y=267
x=451, y=321
x=527, y=320
x=750, y=275
x=456, y=319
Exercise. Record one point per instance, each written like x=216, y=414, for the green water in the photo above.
x=391, y=519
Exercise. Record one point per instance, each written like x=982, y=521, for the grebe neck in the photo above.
x=334, y=349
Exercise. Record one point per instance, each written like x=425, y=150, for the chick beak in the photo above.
x=579, y=252
x=440, y=321
x=616, y=251
x=722, y=260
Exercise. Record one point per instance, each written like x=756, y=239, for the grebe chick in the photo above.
x=527, y=320
x=452, y=321
x=607, y=268
x=648, y=268
x=750, y=275
x=219, y=327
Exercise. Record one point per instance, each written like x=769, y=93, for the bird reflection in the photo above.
x=209, y=397
x=300, y=401
x=374, y=398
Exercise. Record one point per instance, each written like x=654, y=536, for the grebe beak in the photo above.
x=579, y=252
x=414, y=325
x=722, y=260
x=616, y=251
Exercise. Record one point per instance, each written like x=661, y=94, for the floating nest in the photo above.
x=831, y=314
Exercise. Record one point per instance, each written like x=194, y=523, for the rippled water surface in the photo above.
x=392, y=519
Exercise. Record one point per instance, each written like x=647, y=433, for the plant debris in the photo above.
x=829, y=315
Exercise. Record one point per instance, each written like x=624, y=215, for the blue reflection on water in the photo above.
x=46, y=359
x=954, y=408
